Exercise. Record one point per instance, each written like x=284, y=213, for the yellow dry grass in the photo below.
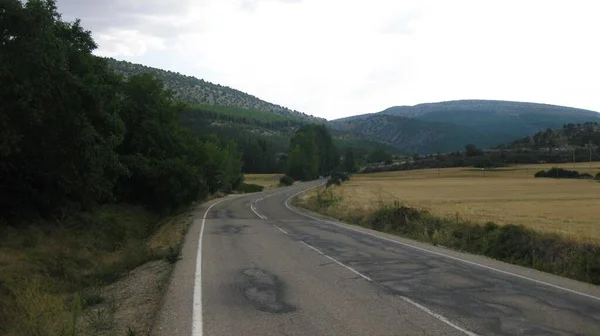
x=505, y=196
x=269, y=181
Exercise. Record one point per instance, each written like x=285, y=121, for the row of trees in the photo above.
x=262, y=153
x=312, y=153
x=75, y=134
x=579, y=135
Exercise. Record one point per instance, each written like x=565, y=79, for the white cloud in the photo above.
x=334, y=58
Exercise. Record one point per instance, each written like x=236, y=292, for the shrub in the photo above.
x=597, y=177
x=286, y=180
x=334, y=180
x=342, y=176
x=250, y=188
x=559, y=173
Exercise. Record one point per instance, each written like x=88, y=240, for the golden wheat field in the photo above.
x=505, y=196
x=269, y=181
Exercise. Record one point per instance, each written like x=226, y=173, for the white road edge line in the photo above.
x=256, y=213
x=438, y=316
x=337, y=262
x=197, y=325
x=423, y=308
x=437, y=253
x=253, y=208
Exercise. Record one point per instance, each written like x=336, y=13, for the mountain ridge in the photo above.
x=444, y=126
x=422, y=128
x=192, y=90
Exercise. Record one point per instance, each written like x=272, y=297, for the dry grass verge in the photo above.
x=94, y=273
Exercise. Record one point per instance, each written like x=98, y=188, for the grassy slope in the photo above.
x=52, y=270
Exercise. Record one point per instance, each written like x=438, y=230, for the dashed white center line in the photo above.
x=282, y=230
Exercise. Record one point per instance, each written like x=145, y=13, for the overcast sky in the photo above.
x=335, y=58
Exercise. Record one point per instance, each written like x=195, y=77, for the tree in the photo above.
x=349, y=161
x=59, y=117
x=312, y=153
x=471, y=150
x=167, y=165
x=75, y=134
x=380, y=155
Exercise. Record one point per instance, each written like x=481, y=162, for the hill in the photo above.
x=448, y=126
x=192, y=90
x=570, y=135
x=262, y=130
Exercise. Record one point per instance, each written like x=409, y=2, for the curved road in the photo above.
x=253, y=265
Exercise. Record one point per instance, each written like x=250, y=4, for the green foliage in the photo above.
x=261, y=147
x=472, y=150
x=333, y=181
x=379, y=155
x=78, y=135
x=597, y=177
x=349, y=161
x=341, y=176
x=574, y=135
x=561, y=173
x=173, y=255
x=59, y=115
x=250, y=188
x=312, y=153
x=212, y=97
x=246, y=116
x=168, y=166
x=286, y=180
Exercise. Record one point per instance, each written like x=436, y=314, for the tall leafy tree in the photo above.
x=349, y=161
x=58, y=115
x=76, y=134
x=312, y=153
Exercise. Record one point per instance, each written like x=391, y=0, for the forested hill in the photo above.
x=447, y=126
x=192, y=90
x=570, y=135
x=261, y=130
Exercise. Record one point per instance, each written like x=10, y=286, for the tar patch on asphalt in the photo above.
x=230, y=229
x=264, y=291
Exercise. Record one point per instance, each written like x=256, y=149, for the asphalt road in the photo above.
x=266, y=269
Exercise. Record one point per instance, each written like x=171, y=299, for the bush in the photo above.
x=250, y=188
x=286, y=180
x=334, y=180
x=559, y=173
x=597, y=177
x=342, y=176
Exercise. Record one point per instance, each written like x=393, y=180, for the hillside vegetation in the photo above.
x=448, y=126
x=192, y=90
x=570, y=143
x=261, y=130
